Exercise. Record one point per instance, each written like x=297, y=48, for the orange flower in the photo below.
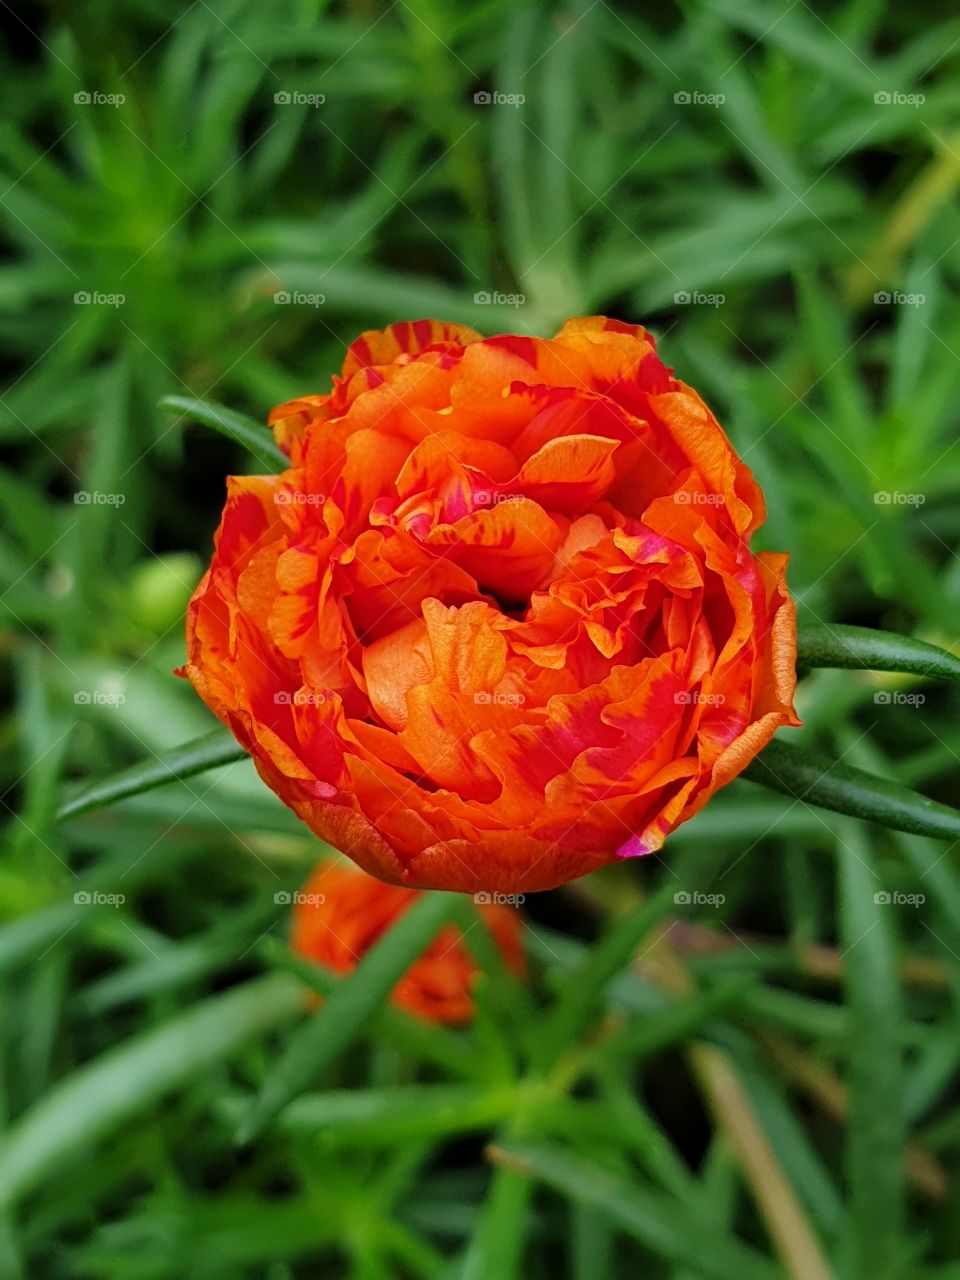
x=499, y=622
x=341, y=913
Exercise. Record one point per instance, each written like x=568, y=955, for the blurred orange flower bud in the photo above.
x=341, y=912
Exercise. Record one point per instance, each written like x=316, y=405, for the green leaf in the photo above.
x=683, y=1018
x=876, y=1127
x=497, y=1246
x=209, y=752
x=803, y=1164
x=829, y=645
x=591, y=1245
x=235, y=426
x=816, y=779
x=585, y=987
x=666, y=1227
x=395, y=1114
x=409, y=1035
x=190, y=959
x=100, y=1096
x=347, y=1010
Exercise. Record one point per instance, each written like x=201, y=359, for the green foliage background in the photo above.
x=768, y=1089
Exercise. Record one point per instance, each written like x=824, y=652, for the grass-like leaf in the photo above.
x=209, y=752
x=584, y=989
x=662, y=1224
x=100, y=1096
x=348, y=1009
x=863, y=648
x=876, y=1118
x=816, y=779
x=242, y=430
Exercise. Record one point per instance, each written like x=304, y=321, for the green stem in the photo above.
x=862, y=648
x=816, y=779
x=209, y=752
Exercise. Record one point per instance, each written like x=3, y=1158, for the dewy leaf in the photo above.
x=245, y=431
x=101, y=1095
x=209, y=752
x=826, y=645
x=348, y=1008
x=816, y=779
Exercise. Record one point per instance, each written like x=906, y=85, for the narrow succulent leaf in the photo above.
x=816, y=779
x=235, y=426
x=862, y=648
x=209, y=752
x=348, y=1009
